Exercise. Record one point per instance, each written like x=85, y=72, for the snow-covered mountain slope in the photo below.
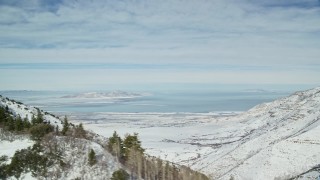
x=279, y=139
x=275, y=140
x=73, y=152
x=22, y=110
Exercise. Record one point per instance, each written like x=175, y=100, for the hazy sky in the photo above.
x=66, y=44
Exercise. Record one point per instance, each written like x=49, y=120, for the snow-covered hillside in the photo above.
x=72, y=152
x=75, y=154
x=280, y=139
x=22, y=110
x=275, y=140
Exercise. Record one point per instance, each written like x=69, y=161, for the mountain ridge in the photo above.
x=265, y=135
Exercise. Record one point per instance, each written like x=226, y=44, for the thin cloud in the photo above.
x=248, y=35
x=101, y=24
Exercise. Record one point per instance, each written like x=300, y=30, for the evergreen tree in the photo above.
x=2, y=115
x=19, y=124
x=131, y=142
x=39, y=119
x=115, y=145
x=10, y=124
x=15, y=168
x=92, y=157
x=3, y=167
x=65, y=126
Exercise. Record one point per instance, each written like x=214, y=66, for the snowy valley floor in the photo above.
x=162, y=134
x=276, y=140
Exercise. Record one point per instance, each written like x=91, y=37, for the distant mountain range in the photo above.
x=258, y=91
x=107, y=95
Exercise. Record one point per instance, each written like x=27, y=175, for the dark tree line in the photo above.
x=15, y=123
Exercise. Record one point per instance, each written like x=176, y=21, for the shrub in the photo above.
x=40, y=130
x=120, y=175
x=3, y=167
x=32, y=159
x=79, y=131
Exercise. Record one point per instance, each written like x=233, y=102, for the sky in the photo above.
x=81, y=44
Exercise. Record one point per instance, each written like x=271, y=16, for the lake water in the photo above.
x=175, y=101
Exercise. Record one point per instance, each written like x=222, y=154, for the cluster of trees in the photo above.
x=130, y=153
x=123, y=149
x=38, y=158
x=37, y=127
x=11, y=123
x=71, y=130
x=33, y=159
